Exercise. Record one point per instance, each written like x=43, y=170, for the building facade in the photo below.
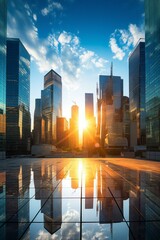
x=37, y=122
x=74, y=127
x=90, y=130
x=51, y=106
x=62, y=133
x=3, y=33
x=152, y=53
x=110, y=106
x=126, y=118
x=18, y=98
x=137, y=93
x=89, y=106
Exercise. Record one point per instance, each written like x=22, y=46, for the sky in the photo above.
x=78, y=39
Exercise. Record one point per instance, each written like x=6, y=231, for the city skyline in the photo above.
x=89, y=166
x=78, y=48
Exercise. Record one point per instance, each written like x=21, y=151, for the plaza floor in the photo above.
x=79, y=198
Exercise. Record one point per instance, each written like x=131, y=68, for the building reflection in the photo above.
x=107, y=188
x=48, y=187
x=2, y=201
x=14, y=195
x=114, y=194
x=89, y=187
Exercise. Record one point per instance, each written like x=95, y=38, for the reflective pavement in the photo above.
x=116, y=199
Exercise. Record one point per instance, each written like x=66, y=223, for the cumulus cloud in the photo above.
x=96, y=231
x=59, y=51
x=38, y=49
x=118, y=52
x=64, y=38
x=122, y=41
x=51, y=6
x=67, y=230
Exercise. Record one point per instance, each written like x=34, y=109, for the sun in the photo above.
x=83, y=124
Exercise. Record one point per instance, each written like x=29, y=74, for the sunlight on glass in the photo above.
x=83, y=124
x=80, y=169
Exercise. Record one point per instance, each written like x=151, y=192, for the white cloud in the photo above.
x=136, y=33
x=64, y=38
x=35, y=17
x=122, y=41
x=118, y=52
x=87, y=55
x=51, y=6
x=45, y=11
x=60, y=51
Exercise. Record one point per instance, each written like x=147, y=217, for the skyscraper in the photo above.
x=62, y=132
x=3, y=32
x=110, y=105
x=137, y=93
x=18, y=97
x=51, y=105
x=89, y=107
x=37, y=121
x=126, y=118
x=152, y=56
x=74, y=127
x=89, y=131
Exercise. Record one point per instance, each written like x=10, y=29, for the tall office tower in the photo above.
x=126, y=118
x=89, y=107
x=90, y=130
x=137, y=94
x=18, y=98
x=152, y=57
x=51, y=105
x=3, y=32
x=74, y=127
x=110, y=106
x=37, y=122
x=62, y=132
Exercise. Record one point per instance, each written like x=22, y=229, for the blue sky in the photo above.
x=78, y=39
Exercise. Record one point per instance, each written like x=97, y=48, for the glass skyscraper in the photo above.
x=152, y=38
x=89, y=108
x=18, y=97
x=37, y=122
x=51, y=105
x=74, y=127
x=137, y=91
x=3, y=32
x=109, y=105
x=90, y=130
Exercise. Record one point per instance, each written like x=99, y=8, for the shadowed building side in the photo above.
x=62, y=133
x=137, y=94
x=37, y=121
x=152, y=89
x=3, y=33
x=18, y=98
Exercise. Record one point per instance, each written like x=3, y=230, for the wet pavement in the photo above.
x=115, y=199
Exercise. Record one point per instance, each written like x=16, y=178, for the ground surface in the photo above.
x=101, y=198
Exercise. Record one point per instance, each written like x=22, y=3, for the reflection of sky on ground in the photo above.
x=79, y=199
